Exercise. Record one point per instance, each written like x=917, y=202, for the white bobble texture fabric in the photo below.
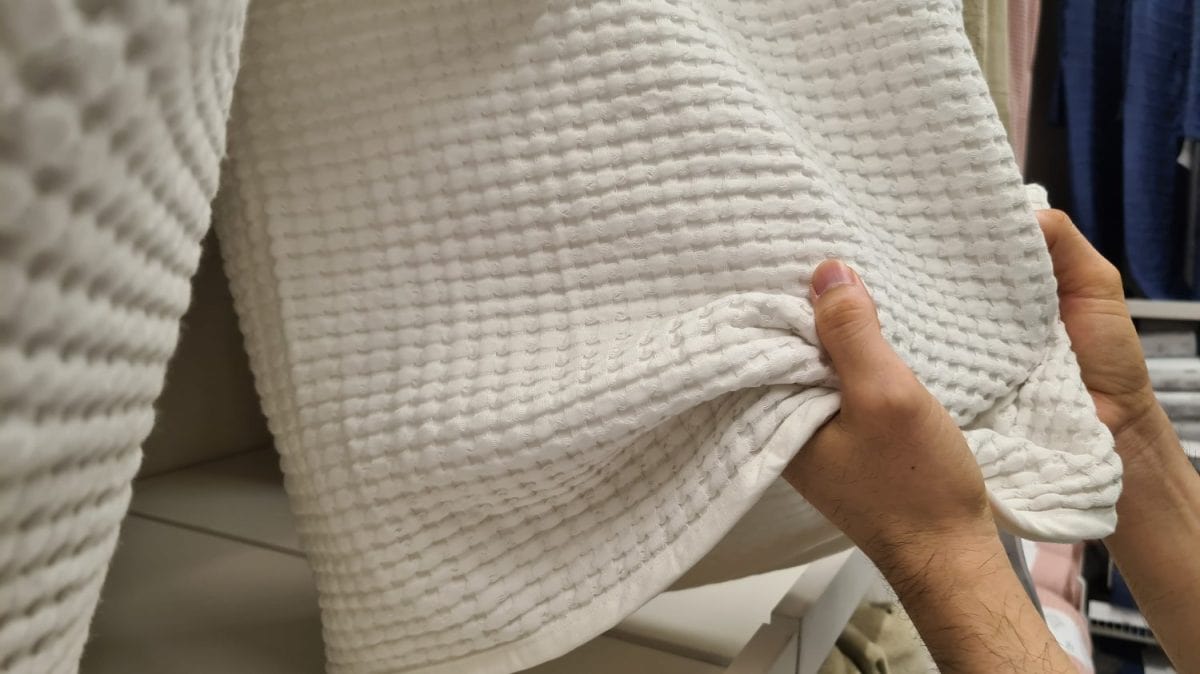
x=112, y=126
x=525, y=290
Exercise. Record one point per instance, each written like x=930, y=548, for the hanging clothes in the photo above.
x=1125, y=96
x=1023, y=19
x=986, y=24
x=1191, y=104
x=1092, y=36
x=1191, y=132
x=1155, y=204
x=1046, y=155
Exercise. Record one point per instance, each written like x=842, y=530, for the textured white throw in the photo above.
x=524, y=284
x=112, y=128
x=525, y=288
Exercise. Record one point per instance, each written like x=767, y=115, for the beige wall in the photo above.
x=209, y=408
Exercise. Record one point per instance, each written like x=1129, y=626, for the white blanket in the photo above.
x=112, y=128
x=525, y=289
x=524, y=284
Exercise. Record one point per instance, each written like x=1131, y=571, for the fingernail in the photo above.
x=831, y=274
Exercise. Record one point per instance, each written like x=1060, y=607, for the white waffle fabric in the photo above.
x=524, y=285
x=112, y=128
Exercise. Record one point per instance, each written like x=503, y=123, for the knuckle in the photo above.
x=894, y=402
x=842, y=315
x=1107, y=274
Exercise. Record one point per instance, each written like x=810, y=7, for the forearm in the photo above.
x=1157, y=541
x=972, y=612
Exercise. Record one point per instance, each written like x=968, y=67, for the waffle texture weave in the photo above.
x=112, y=126
x=525, y=290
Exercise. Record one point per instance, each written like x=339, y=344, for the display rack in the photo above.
x=1167, y=310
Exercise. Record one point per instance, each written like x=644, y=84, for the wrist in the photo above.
x=973, y=613
x=925, y=563
x=1146, y=439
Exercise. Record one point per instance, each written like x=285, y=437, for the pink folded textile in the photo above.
x=1055, y=568
x=1023, y=18
x=1069, y=628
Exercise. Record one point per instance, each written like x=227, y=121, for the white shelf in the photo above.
x=712, y=623
x=240, y=497
x=606, y=655
x=181, y=601
x=211, y=550
x=1169, y=310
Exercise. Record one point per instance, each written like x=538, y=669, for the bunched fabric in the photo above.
x=112, y=127
x=524, y=284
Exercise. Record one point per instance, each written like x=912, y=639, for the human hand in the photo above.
x=892, y=470
x=1092, y=305
x=894, y=473
x=1157, y=541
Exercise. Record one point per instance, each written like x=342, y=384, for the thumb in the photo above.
x=849, y=327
